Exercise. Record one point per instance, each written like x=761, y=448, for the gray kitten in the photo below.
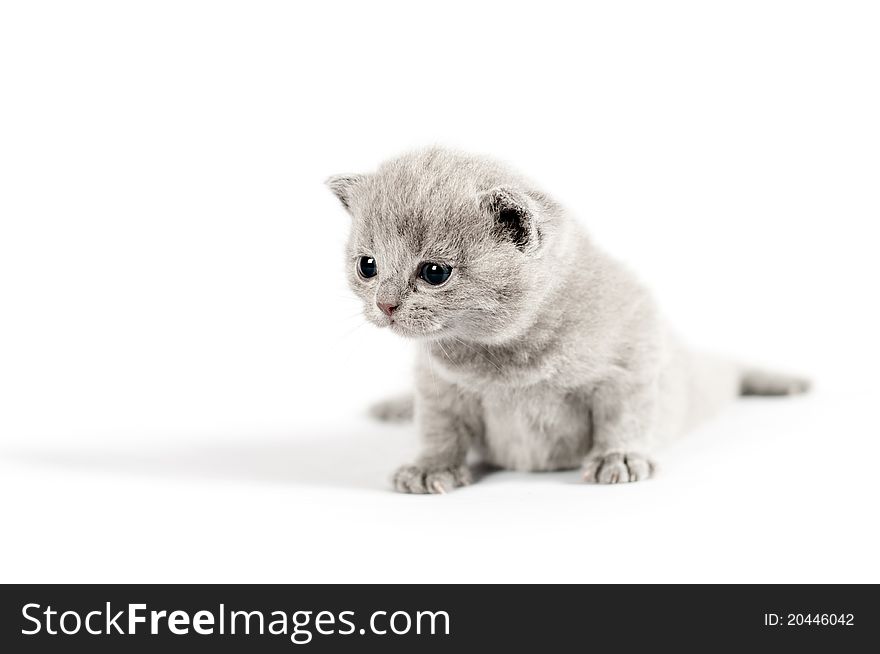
x=540, y=351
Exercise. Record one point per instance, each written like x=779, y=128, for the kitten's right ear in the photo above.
x=514, y=215
x=342, y=187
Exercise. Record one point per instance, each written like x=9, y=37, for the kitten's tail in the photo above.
x=752, y=381
x=760, y=382
x=396, y=409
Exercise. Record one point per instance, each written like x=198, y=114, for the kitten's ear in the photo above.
x=513, y=213
x=342, y=186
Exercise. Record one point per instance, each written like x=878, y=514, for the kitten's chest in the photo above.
x=534, y=428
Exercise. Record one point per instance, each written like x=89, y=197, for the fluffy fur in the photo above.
x=540, y=351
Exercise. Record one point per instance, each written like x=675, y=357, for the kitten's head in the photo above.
x=445, y=245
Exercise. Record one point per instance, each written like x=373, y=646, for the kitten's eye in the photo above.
x=367, y=267
x=435, y=273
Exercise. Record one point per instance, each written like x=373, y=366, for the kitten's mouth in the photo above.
x=409, y=332
x=397, y=328
x=401, y=326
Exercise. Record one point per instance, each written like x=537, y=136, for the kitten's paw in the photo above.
x=418, y=479
x=617, y=467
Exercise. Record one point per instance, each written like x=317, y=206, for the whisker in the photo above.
x=351, y=331
x=433, y=376
x=444, y=350
x=486, y=356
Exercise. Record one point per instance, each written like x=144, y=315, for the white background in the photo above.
x=183, y=374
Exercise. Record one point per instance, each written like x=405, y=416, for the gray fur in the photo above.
x=395, y=409
x=540, y=352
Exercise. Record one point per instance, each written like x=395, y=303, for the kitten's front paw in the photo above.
x=418, y=479
x=617, y=467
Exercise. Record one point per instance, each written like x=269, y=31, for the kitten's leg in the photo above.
x=623, y=417
x=448, y=419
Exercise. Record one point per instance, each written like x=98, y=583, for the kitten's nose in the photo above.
x=386, y=308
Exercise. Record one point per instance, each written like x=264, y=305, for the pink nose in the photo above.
x=386, y=308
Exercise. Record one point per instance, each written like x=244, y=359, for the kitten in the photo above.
x=540, y=352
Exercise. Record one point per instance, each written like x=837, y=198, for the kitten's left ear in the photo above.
x=342, y=186
x=514, y=215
